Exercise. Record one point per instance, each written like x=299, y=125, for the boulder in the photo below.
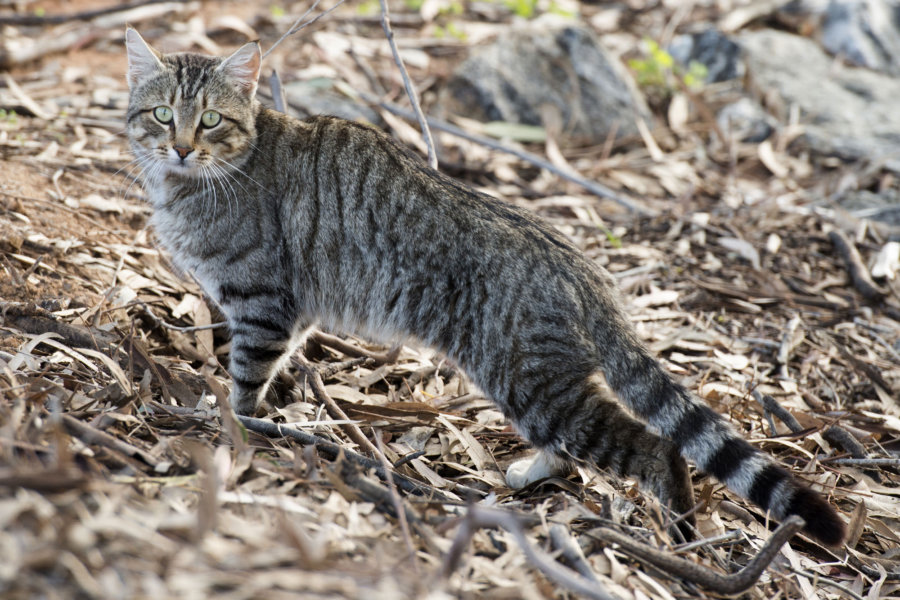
x=847, y=112
x=525, y=72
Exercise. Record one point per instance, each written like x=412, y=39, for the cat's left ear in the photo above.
x=242, y=67
x=143, y=60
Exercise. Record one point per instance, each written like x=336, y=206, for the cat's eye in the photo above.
x=163, y=114
x=210, y=118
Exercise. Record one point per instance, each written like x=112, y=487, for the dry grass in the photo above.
x=117, y=478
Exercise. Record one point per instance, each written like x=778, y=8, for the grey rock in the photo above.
x=846, y=112
x=522, y=73
x=715, y=50
x=866, y=33
x=746, y=121
x=883, y=207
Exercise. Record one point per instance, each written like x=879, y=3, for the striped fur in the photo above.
x=289, y=223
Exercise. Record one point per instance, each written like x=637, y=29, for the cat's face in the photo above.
x=190, y=115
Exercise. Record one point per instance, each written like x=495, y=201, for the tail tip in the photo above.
x=822, y=521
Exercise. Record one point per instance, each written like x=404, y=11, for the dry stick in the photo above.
x=328, y=449
x=165, y=325
x=91, y=435
x=410, y=90
x=398, y=503
x=332, y=341
x=318, y=389
x=864, y=462
x=859, y=274
x=770, y=405
x=592, y=186
x=562, y=541
x=85, y=15
x=297, y=26
x=734, y=583
x=478, y=516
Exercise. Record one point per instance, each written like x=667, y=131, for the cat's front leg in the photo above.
x=260, y=347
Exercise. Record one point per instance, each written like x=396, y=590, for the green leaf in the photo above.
x=515, y=131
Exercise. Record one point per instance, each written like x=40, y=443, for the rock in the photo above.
x=847, y=112
x=865, y=33
x=883, y=208
x=318, y=97
x=524, y=72
x=746, y=121
x=715, y=50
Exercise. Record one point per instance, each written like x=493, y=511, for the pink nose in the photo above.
x=182, y=151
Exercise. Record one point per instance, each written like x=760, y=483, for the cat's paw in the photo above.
x=528, y=470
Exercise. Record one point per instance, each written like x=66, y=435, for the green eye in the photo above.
x=210, y=118
x=163, y=114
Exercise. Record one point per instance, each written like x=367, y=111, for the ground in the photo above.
x=119, y=478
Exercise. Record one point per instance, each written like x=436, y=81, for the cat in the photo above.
x=288, y=224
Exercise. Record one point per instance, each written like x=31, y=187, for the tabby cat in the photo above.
x=289, y=224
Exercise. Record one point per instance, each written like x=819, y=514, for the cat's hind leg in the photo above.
x=596, y=431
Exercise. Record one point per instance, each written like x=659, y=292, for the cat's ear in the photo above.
x=242, y=67
x=143, y=61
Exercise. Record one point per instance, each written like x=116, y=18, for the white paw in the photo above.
x=528, y=470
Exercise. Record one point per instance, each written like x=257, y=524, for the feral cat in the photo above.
x=290, y=223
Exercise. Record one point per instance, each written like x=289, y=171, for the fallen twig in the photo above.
x=318, y=389
x=410, y=90
x=771, y=406
x=297, y=25
x=332, y=341
x=858, y=272
x=734, y=583
x=561, y=540
x=863, y=462
x=478, y=516
x=91, y=435
x=83, y=15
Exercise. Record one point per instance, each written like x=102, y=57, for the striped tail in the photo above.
x=706, y=439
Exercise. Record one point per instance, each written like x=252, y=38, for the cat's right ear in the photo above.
x=143, y=61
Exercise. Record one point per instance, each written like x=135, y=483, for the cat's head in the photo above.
x=190, y=115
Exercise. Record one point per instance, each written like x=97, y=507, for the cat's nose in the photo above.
x=183, y=151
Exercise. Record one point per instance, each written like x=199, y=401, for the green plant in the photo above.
x=522, y=8
x=659, y=70
x=9, y=116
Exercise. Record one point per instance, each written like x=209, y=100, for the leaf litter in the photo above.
x=118, y=478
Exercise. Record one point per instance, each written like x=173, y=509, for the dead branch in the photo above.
x=318, y=389
x=165, y=325
x=84, y=15
x=397, y=501
x=410, y=90
x=864, y=462
x=91, y=435
x=331, y=369
x=478, y=517
x=336, y=343
x=561, y=541
x=770, y=405
x=330, y=451
x=857, y=270
x=734, y=583
x=839, y=436
x=592, y=186
x=297, y=25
